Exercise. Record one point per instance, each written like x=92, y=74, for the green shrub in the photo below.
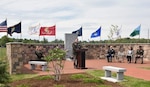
x=4, y=75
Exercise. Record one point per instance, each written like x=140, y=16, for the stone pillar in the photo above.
x=14, y=54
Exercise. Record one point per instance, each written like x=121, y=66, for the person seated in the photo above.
x=139, y=54
x=130, y=53
x=121, y=54
x=39, y=53
x=110, y=54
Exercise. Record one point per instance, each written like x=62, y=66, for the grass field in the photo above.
x=2, y=53
x=129, y=81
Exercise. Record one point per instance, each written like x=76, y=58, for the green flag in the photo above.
x=136, y=31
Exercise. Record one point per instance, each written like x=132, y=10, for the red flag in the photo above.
x=50, y=31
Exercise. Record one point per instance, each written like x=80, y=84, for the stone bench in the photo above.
x=118, y=70
x=42, y=63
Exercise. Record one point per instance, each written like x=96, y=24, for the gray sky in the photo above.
x=70, y=15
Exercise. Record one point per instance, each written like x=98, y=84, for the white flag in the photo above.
x=118, y=32
x=34, y=29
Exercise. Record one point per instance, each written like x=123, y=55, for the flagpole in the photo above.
x=20, y=35
x=55, y=31
x=82, y=34
x=55, y=38
x=21, y=32
x=39, y=38
x=43, y=38
x=140, y=32
x=7, y=27
x=39, y=31
x=100, y=33
x=100, y=38
x=148, y=36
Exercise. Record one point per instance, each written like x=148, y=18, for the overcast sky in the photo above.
x=70, y=15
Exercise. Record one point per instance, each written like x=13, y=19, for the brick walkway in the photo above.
x=133, y=70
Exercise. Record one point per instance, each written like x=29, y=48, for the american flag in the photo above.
x=3, y=26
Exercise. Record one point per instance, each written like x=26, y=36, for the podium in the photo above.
x=80, y=58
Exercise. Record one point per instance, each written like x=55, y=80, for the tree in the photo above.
x=4, y=75
x=56, y=58
x=57, y=41
x=113, y=30
x=44, y=40
x=5, y=40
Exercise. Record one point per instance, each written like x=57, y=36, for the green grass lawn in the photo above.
x=2, y=53
x=129, y=81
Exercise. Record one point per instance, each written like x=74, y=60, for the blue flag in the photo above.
x=136, y=31
x=3, y=26
x=78, y=32
x=97, y=33
x=16, y=28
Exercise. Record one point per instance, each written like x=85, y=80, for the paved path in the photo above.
x=133, y=70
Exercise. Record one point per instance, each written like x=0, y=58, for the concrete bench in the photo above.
x=118, y=70
x=34, y=63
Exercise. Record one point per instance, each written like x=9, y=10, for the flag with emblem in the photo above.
x=136, y=31
x=97, y=33
x=3, y=26
x=15, y=28
x=78, y=32
x=34, y=29
x=48, y=31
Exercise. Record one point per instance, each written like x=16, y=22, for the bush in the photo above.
x=56, y=57
x=4, y=75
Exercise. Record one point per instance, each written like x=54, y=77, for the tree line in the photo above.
x=5, y=39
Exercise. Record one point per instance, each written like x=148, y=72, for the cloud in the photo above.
x=71, y=15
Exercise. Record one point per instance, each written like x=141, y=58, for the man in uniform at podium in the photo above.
x=75, y=45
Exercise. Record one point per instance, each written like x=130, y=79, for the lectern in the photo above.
x=80, y=58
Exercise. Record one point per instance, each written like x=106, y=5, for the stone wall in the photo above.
x=99, y=50
x=20, y=53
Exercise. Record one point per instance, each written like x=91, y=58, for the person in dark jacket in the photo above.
x=75, y=45
x=39, y=53
x=139, y=54
x=110, y=54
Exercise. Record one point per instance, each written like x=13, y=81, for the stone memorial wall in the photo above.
x=19, y=54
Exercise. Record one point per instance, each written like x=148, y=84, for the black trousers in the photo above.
x=109, y=58
x=139, y=57
x=129, y=59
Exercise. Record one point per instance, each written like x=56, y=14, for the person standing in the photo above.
x=75, y=45
x=110, y=54
x=129, y=55
x=139, y=54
